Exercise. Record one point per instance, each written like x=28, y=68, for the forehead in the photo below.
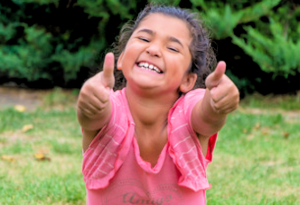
x=166, y=24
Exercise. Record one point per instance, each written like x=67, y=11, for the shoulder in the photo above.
x=194, y=95
x=180, y=114
x=117, y=96
x=188, y=100
x=119, y=102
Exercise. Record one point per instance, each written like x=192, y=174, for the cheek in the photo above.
x=181, y=64
x=129, y=53
x=127, y=62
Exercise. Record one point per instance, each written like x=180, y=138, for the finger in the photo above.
x=224, y=88
x=227, y=102
x=225, y=107
x=215, y=77
x=91, y=106
x=108, y=70
x=102, y=95
x=87, y=111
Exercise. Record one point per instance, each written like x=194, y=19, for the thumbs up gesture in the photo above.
x=224, y=95
x=93, y=100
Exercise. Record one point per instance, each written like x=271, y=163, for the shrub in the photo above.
x=63, y=41
x=56, y=41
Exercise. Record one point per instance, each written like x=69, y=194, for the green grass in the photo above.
x=285, y=102
x=56, y=180
x=256, y=160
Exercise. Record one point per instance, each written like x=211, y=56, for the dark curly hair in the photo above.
x=203, y=57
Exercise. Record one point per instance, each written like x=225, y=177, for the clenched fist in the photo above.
x=224, y=94
x=94, y=95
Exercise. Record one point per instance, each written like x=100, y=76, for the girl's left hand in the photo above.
x=224, y=94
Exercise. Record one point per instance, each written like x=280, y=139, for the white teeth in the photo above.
x=149, y=67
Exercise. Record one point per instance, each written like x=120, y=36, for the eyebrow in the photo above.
x=146, y=31
x=173, y=39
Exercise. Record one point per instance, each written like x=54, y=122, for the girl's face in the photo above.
x=157, y=55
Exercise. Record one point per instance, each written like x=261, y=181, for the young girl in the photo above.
x=150, y=142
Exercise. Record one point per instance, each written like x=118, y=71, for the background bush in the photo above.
x=57, y=43
x=47, y=43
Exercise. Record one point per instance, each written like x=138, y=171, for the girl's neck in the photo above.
x=149, y=111
x=150, y=114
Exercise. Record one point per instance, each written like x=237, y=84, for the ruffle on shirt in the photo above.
x=185, y=148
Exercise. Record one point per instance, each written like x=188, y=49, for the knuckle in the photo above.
x=217, y=107
x=102, y=106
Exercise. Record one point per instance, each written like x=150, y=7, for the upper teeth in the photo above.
x=149, y=67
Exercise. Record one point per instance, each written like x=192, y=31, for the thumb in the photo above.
x=108, y=78
x=215, y=77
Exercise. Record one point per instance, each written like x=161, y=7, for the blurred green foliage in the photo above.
x=55, y=41
x=62, y=41
x=267, y=31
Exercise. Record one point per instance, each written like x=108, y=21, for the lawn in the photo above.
x=256, y=160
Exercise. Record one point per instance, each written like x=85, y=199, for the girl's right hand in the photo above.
x=224, y=95
x=93, y=98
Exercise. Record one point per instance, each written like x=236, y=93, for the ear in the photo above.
x=119, y=62
x=188, y=82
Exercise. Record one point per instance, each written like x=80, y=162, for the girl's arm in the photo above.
x=221, y=98
x=93, y=104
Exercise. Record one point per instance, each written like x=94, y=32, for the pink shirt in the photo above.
x=115, y=174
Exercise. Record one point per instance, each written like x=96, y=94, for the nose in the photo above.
x=154, y=50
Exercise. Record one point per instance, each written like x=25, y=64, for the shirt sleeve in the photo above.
x=185, y=148
x=190, y=100
x=106, y=152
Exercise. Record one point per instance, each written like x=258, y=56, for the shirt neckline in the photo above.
x=145, y=165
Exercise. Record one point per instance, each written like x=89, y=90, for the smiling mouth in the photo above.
x=150, y=67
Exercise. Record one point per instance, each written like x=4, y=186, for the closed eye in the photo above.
x=144, y=39
x=173, y=49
